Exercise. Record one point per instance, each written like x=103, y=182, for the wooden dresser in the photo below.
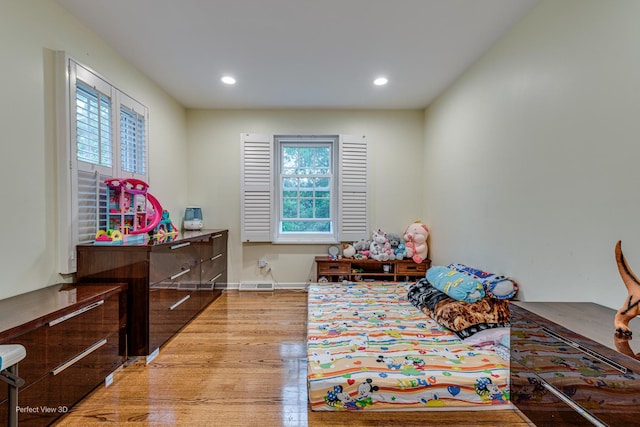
x=569, y=368
x=74, y=337
x=169, y=281
x=356, y=270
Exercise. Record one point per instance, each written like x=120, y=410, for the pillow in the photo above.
x=500, y=287
x=491, y=336
x=458, y=286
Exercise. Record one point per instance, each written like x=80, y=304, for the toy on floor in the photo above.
x=631, y=308
x=499, y=287
x=415, y=237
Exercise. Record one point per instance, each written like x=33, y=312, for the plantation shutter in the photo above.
x=133, y=138
x=353, y=199
x=257, y=187
x=92, y=203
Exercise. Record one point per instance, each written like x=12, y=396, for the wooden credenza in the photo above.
x=169, y=281
x=74, y=337
x=568, y=367
x=356, y=270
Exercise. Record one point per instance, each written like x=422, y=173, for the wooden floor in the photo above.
x=241, y=362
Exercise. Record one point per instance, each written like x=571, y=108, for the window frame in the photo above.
x=282, y=141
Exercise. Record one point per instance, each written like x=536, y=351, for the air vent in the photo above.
x=255, y=286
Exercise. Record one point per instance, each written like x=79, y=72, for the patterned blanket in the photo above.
x=368, y=348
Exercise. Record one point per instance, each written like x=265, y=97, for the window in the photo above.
x=304, y=188
x=103, y=135
x=306, y=196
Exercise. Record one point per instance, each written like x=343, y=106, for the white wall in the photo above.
x=30, y=32
x=532, y=156
x=396, y=176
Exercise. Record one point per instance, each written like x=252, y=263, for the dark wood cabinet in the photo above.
x=74, y=338
x=568, y=367
x=170, y=281
x=356, y=270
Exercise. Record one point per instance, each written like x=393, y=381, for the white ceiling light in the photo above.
x=228, y=80
x=380, y=81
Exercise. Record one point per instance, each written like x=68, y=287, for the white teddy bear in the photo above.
x=377, y=249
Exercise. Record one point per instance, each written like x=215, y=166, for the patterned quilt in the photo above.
x=368, y=348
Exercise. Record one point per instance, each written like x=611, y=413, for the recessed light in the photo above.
x=228, y=80
x=380, y=81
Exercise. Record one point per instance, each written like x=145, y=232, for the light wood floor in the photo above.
x=241, y=362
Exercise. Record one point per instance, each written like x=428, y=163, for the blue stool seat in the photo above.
x=10, y=355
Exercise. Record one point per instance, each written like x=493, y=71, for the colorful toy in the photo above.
x=132, y=212
x=415, y=237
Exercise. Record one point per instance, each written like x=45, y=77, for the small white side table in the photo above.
x=10, y=355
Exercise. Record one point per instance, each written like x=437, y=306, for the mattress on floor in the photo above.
x=368, y=348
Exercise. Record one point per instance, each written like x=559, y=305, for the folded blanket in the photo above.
x=463, y=319
x=497, y=286
x=459, y=286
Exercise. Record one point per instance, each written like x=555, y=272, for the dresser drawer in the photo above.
x=333, y=267
x=411, y=269
x=168, y=261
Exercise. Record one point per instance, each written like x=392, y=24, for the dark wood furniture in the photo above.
x=335, y=270
x=170, y=281
x=568, y=367
x=74, y=337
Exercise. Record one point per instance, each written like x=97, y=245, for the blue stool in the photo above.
x=10, y=355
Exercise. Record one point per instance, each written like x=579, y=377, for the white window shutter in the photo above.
x=257, y=187
x=353, y=198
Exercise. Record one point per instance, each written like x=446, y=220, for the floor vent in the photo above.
x=255, y=286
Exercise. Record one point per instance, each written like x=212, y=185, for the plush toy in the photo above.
x=415, y=237
x=401, y=251
x=348, y=251
x=377, y=248
x=394, y=242
x=362, y=249
x=631, y=308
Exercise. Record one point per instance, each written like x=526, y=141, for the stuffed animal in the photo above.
x=362, y=249
x=401, y=251
x=348, y=251
x=415, y=237
x=394, y=242
x=377, y=248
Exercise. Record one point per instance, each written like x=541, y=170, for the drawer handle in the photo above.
x=334, y=267
x=179, y=302
x=217, y=236
x=181, y=245
x=215, y=257
x=76, y=313
x=216, y=278
x=412, y=267
x=182, y=273
x=82, y=355
x=557, y=393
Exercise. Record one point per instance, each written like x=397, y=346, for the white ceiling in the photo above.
x=301, y=53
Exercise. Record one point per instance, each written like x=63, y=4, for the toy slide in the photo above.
x=155, y=219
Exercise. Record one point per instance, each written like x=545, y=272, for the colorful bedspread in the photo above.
x=368, y=348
